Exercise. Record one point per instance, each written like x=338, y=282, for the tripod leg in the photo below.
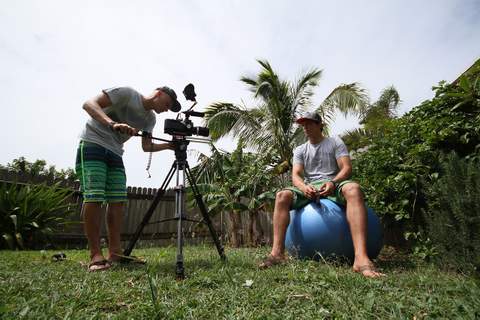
x=150, y=211
x=180, y=215
x=203, y=210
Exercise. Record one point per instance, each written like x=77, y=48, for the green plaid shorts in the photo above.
x=101, y=173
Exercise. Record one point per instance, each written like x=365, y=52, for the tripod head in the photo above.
x=179, y=143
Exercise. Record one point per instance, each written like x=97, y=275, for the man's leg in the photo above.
x=114, y=228
x=91, y=171
x=116, y=194
x=357, y=221
x=281, y=219
x=92, y=215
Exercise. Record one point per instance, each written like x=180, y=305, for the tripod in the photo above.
x=179, y=165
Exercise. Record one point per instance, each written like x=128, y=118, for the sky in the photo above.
x=54, y=55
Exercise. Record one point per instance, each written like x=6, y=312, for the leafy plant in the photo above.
x=406, y=154
x=374, y=119
x=29, y=213
x=236, y=182
x=39, y=169
x=453, y=214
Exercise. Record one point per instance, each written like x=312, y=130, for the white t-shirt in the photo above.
x=320, y=160
x=127, y=107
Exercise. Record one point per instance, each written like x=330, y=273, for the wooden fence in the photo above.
x=139, y=200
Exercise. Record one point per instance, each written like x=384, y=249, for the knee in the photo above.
x=284, y=197
x=352, y=191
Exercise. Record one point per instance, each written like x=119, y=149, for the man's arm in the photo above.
x=94, y=108
x=297, y=180
x=149, y=146
x=345, y=165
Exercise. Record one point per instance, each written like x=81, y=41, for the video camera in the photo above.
x=184, y=127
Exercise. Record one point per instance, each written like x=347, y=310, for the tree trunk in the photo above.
x=251, y=231
x=235, y=223
x=255, y=232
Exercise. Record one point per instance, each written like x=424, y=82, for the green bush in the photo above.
x=452, y=216
x=408, y=152
x=30, y=213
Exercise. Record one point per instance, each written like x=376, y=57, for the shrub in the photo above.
x=452, y=216
x=30, y=213
x=409, y=148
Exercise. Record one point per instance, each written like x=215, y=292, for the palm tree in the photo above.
x=374, y=118
x=269, y=128
x=384, y=108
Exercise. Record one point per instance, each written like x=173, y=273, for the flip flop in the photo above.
x=99, y=265
x=271, y=261
x=369, y=268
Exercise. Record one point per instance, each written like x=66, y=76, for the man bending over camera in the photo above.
x=116, y=114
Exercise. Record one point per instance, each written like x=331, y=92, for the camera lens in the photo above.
x=201, y=131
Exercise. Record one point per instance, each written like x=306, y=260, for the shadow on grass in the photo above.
x=195, y=264
x=392, y=259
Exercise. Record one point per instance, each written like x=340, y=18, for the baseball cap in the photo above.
x=175, y=107
x=309, y=116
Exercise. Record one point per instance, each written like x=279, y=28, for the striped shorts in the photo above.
x=101, y=173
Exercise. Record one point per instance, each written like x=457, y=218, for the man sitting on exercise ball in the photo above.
x=321, y=168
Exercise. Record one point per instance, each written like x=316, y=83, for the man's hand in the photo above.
x=124, y=128
x=328, y=188
x=309, y=191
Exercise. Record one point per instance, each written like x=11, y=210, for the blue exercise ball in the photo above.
x=322, y=229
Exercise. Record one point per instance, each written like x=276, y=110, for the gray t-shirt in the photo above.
x=320, y=160
x=127, y=107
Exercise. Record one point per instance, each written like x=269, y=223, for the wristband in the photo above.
x=335, y=184
x=111, y=124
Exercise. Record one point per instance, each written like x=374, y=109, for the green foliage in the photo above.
x=29, y=213
x=39, y=168
x=453, y=214
x=234, y=181
x=407, y=154
x=374, y=119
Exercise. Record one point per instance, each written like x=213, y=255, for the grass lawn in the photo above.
x=34, y=287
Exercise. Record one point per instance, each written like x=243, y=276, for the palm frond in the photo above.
x=222, y=118
x=355, y=138
x=347, y=98
x=383, y=109
x=302, y=91
x=388, y=101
